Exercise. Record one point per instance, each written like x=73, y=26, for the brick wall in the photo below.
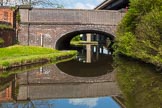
x=9, y=37
x=70, y=16
x=49, y=26
x=7, y=16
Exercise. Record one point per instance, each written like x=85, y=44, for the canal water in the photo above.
x=94, y=79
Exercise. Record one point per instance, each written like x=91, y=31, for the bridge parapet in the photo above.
x=70, y=16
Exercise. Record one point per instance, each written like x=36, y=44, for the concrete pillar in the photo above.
x=88, y=53
x=88, y=37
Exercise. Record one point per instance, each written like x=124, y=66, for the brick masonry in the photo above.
x=59, y=81
x=7, y=16
x=8, y=36
x=49, y=27
x=52, y=33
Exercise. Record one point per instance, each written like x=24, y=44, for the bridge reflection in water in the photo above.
x=55, y=82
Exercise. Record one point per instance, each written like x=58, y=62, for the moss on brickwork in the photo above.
x=1, y=41
x=5, y=26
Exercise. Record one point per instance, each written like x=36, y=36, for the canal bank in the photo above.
x=15, y=56
x=85, y=78
x=139, y=33
x=133, y=83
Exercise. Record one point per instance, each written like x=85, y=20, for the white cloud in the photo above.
x=100, y=0
x=90, y=6
x=80, y=4
x=83, y=6
x=90, y=102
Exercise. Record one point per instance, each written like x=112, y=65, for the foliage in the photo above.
x=140, y=32
x=18, y=17
x=1, y=41
x=76, y=38
x=125, y=40
x=5, y=26
x=22, y=55
x=23, y=69
x=140, y=84
x=77, y=41
x=34, y=3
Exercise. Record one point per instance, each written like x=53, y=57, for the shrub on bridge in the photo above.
x=142, y=24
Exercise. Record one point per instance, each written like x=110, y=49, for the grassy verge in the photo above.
x=22, y=69
x=83, y=42
x=15, y=56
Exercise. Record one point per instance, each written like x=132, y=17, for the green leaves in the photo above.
x=140, y=84
x=140, y=32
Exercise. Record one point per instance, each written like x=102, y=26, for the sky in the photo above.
x=70, y=4
x=80, y=4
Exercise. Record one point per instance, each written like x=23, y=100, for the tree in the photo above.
x=3, y=2
x=34, y=3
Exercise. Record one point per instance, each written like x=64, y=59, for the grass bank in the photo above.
x=15, y=56
x=83, y=42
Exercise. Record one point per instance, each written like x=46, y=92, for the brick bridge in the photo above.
x=56, y=27
x=50, y=82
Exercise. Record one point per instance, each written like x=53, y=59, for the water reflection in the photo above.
x=24, y=87
x=50, y=86
x=93, y=53
x=49, y=82
x=90, y=82
x=25, y=91
x=92, y=61
x=6, y=88
x=140, y=83
x=102, y=102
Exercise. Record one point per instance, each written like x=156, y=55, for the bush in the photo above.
x=140, y=32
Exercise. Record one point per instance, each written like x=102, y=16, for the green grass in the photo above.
x=22, y=55
x=4, y=26
x=27, y=68
x=83, y=42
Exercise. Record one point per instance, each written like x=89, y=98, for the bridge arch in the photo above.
x=64, y=40
x=50, y=27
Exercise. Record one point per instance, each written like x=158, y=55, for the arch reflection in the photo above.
x=92, y=61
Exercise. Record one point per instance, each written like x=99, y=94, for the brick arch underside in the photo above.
x=63, y=40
